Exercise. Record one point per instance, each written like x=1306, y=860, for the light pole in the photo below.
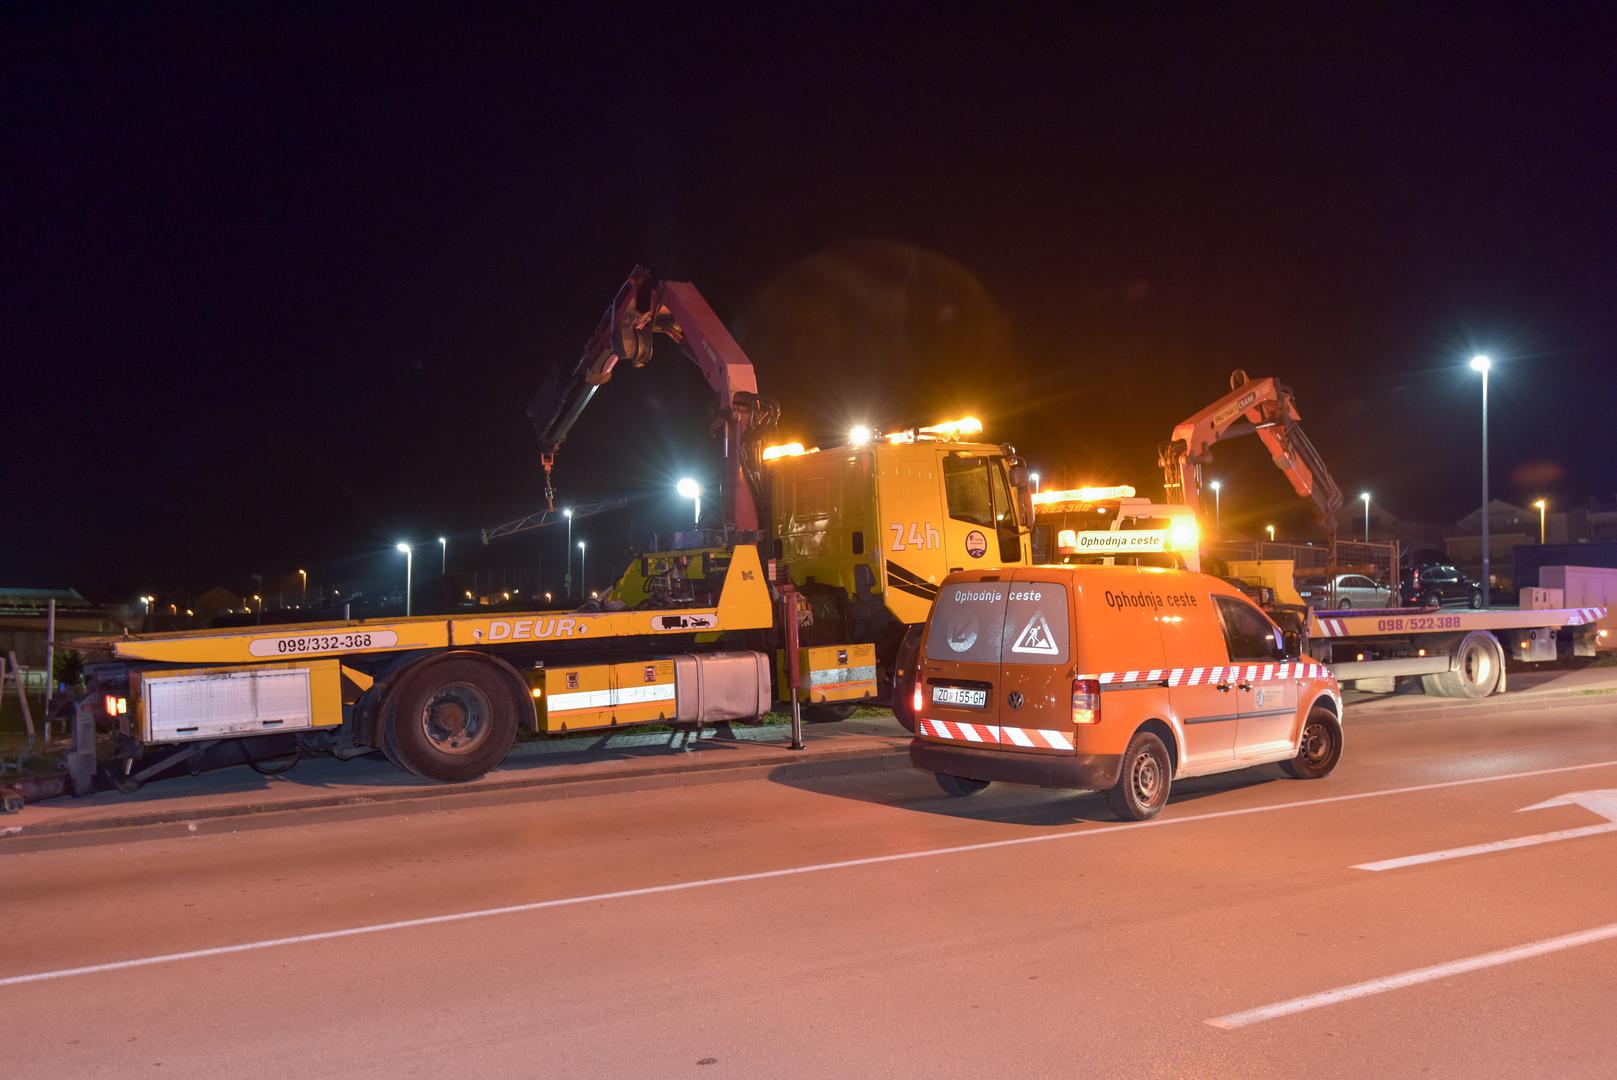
x=1482, y=363
x=409, y=574
x=304, y=575
x=1541, y=504
x=1365, y=495
x=147, y=600
x=567, y=578
x=1218, y=517
x=1271, y=529
x=583, y=577
x=690, y=489
x=443, y=562
x=1035, y=478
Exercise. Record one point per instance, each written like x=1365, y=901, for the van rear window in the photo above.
x=990, y=622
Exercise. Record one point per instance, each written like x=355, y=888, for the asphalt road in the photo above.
x=864, y=926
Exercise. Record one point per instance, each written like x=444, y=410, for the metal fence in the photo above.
x=1375, y=560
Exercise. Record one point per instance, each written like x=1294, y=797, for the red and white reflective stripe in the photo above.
x=1208, y=676
x=990, y=735
x=1587, y=615
x=1332, y=628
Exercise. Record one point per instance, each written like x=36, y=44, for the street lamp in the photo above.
x=443, y=562
x=567, y=578
x=1035, y=478
x=690, y=489
x=1218, y=526
x=409, y=569
x=583, y=578
x=1365, y=495
x=1541, y=504
x=1482, y=363
x=1271, y=529
x=147, y=600
x=304, y=575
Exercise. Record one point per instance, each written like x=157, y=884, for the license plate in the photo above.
x=956, y=695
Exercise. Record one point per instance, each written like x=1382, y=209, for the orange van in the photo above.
x=1112, y=678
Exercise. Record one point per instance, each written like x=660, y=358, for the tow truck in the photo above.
x=822, y=564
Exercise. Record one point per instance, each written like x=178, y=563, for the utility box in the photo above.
x=1587, y=587
x=1540, y=599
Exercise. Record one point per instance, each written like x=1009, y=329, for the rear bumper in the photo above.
x=1082, y=772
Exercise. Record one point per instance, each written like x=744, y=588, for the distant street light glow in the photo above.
x=859, y=435
x=690, y=489
x=1482, y=363
x=409, y=575
x=1541, y=505
x=1365, y=495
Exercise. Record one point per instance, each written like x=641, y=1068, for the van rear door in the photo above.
x=1036, y=665
x=960, y=672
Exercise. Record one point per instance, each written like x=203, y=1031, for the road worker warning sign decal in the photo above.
x=1037, y=638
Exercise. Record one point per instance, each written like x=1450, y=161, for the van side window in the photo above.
x=965, y=486
x=1248, y=632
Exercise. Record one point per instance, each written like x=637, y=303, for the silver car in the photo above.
x=1358, y=591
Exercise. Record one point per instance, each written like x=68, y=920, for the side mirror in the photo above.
x=1022, y=487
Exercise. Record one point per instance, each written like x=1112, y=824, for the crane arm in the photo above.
x=643, y=308
x=1263, y=407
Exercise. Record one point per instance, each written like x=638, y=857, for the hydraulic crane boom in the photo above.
x=1253, y=406
x=643, y=308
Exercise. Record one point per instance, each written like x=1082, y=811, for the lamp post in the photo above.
x=1482, y=363
x=304, y=575
x=690, y=489
x=1218, y=516
x=1035, y=478
x=583, y=577
x=567, y=578
x=409, y=569
x=1271, y=530
x=1541, y=504
x=1365, y=495
x=443, y=562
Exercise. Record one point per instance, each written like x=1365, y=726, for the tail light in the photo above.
x=916, y=699
x=117, y=705
x=1414, y=579
x=1085, y=701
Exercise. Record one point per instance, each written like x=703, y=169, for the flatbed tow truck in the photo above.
x=807, y=592
x=1457, y=654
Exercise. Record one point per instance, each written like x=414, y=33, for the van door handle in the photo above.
x=1223, y=687
x=1243, y=686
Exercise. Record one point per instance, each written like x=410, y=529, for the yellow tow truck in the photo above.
x=824, y=564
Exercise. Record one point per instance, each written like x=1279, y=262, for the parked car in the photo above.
x=1431, y=584
x=1352, y=591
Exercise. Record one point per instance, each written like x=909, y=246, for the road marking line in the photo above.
x=1413, y=978
x=766, y=875
x=1483, y=849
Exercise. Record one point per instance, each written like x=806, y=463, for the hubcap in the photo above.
x=1316, y=744
x=457, y=718
x=1146, y=778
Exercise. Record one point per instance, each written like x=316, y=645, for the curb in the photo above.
x=1373, y=708
x=180, y=822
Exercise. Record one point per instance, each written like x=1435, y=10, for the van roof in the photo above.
x=1094, y=572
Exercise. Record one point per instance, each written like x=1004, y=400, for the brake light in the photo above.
x=1085, y=701
x=916, y=698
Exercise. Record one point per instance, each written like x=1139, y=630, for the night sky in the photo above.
x=277, y=293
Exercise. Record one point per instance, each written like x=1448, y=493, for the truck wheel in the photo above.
x=1477, y=671
x=452, y=721
x=1142, y=786
x=958, y=785
x=829, y=713
x=1321, y=746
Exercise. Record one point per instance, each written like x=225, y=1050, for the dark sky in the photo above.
x=277, y=292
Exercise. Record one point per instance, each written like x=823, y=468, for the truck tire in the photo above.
x=1478, y=669
x=449, y=720
x=905, y=663
x=829, y=713
x=1144, y=781
x=1321, y=746
x=958, y=786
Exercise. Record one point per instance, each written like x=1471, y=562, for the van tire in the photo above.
x=1321, y=746
x=451, y=720
x=1144, y=780
x=958, y=786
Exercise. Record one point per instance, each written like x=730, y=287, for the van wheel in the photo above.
x=452, y=720
x=1321, y=746
x=1142, y=785
x=958, y=785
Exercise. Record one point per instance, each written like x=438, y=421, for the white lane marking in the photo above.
x=1484, y=849
x=1603, y=803
x=1413, y=978
x=766, y=875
